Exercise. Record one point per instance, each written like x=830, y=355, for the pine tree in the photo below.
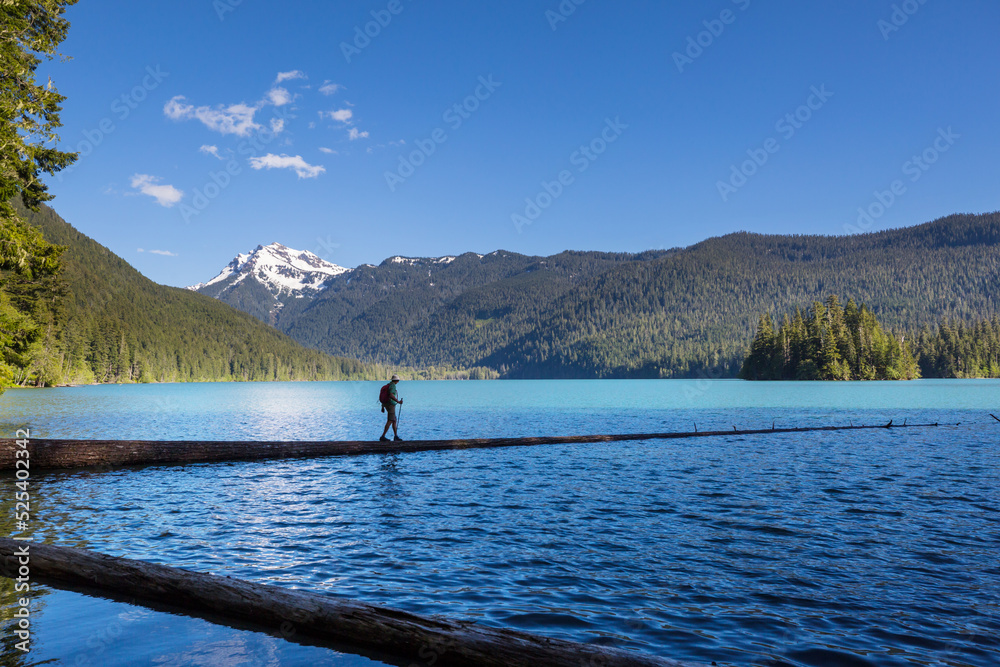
x=29, y=118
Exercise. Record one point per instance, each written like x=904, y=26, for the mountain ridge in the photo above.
x=681, y=312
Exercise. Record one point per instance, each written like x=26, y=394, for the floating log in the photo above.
x=89, y=453
x=410, y=637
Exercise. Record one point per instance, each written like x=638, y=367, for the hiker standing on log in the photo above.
x=389, y=400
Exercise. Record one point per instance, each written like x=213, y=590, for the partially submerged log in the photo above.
x=88, y=453
x=414, y=639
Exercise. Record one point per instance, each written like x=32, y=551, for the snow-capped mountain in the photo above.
x=268, y=278
x=295, y=291
x=278, y=268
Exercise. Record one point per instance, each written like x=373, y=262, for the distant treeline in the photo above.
x=828, y=341
x=958, y=350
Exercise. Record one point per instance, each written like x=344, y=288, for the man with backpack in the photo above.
x=389, y=400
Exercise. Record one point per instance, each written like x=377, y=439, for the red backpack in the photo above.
x=383, y=394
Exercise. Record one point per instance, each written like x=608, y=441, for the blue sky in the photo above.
x=209, y=127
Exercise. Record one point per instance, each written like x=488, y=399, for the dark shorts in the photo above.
x=390, y=412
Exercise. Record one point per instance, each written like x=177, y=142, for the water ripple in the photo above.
x=867, y=548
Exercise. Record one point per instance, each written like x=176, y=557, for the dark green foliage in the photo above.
x=29, y=111
x=828, y=342
x=956, y=350
x=29, y=118
x=117, y=326
x=30, y=290
x=250, y=297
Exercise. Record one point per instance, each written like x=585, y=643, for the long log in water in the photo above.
x=88, y=453
x=413, y=638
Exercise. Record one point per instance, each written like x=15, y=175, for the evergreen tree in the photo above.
x=759, y=360
x=957, y=350
x=29, y=118
x=828, y=342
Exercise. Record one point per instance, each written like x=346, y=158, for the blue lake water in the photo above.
x=862, y=548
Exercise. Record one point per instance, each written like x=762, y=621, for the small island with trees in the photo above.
x=828, y=341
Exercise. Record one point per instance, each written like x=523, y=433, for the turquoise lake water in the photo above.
x=867, y=548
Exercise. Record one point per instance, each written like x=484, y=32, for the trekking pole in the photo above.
x=399, y=417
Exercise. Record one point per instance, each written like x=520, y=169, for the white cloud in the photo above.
x=165, y=195
x=279, y=96
x=340, y=115
x=211, y=150
x=165, y=253
x=329, y=88
x=328, y=151
x=354, y=134
x=235, y=119
x=301, y=167
x=287, y=76
x=277, y=125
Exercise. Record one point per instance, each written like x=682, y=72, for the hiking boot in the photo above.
x=397, y=439
x=383, y=439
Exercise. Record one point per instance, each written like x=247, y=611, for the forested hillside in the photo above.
x=114, y=325
x=693, y=312
x=680, y=313
x=442, y=314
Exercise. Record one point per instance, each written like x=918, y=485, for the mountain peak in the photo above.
x=280, y=269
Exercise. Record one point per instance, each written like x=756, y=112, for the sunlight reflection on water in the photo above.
x=876, y=547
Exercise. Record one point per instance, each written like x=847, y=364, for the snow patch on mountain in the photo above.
x=282, y=270
x=447, y=259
